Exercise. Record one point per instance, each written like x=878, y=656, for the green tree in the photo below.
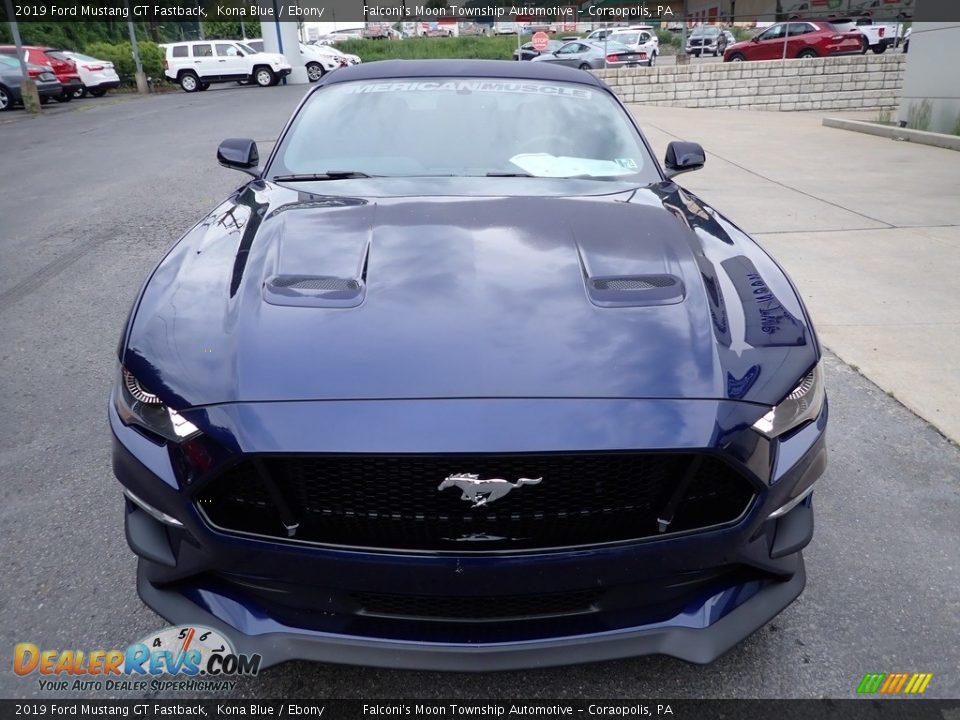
x=222, y=30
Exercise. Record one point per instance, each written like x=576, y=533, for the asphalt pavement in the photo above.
x=89, y=201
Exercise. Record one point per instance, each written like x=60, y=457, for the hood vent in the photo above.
x=314, y=291
x=635, y=290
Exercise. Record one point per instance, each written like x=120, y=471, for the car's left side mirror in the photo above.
x=240, y=154
x=683, y=157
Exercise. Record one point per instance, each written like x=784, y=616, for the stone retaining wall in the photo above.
x=853, y=82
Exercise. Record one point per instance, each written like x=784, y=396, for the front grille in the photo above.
x=458, y=607
x=393, y=501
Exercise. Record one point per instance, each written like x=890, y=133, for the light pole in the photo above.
x=28, y=88
x=142, y=86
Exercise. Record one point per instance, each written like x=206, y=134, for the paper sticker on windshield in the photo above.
x=628, y=163
x=547, y=165
x=469, y=86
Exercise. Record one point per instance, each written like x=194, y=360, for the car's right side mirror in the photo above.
x=240, y=154
x=683, y=157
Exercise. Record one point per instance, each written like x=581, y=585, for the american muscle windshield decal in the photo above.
x=462, y=86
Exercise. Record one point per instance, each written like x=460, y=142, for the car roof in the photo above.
x=502, y=69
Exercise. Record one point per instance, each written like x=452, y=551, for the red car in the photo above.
x=803, y=38
x=62, y=67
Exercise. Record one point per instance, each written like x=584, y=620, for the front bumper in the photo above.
x=275, y=598
x=277, y=643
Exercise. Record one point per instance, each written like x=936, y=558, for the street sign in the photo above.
x=540, y=41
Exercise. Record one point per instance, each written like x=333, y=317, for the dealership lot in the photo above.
x=110, y=187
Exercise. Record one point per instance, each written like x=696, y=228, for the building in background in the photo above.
x=931, y=82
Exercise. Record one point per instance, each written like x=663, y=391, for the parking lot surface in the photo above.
x=99, y=196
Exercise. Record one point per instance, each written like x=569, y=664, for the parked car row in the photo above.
x=75, y=74
x=195, y=65
x=620, y=47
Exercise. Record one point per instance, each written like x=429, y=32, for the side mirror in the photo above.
x=239, y=154
x=683, y=157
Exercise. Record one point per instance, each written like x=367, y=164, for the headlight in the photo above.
x=802, y=404
x=138, y=406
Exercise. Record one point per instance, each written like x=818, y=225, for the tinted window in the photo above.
x=180, y=51
x=202, y=51
x=798, y=29
x=568, y=130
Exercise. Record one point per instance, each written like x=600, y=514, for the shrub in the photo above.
x=121, y=55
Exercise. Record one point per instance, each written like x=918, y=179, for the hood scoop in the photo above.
x=635, y=290
x=314, y=291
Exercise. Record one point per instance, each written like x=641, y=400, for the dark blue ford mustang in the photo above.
x=461, y=379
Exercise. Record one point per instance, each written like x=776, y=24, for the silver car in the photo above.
x=593, y=55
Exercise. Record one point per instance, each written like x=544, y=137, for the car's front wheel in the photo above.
x=807, y=53
x=315, y=71
x=6, y=101
x=189, y=82
x=737, y=57
x=263, y=76
x=584, y=66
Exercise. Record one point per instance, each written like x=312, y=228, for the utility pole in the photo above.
x=142, y=86
x=28, y=88
x=682, y=57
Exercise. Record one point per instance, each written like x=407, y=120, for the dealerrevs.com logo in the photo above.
x=201, y=655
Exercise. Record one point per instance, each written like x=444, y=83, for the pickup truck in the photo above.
x=879, y=36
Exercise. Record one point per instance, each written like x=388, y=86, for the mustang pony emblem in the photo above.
x=480, y=492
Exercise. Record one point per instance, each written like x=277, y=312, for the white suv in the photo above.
x=197, y=64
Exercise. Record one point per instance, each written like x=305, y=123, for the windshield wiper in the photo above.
x=328, y=175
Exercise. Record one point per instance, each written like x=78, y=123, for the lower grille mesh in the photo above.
x=508, y=607
x=393, y=501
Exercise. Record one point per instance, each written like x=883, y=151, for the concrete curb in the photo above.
x=950, y=142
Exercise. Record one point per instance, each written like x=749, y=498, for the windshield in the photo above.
x=706, y=31
x=626, y=38
x=464, y=127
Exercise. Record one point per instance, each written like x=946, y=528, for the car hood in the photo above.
x=283, y=295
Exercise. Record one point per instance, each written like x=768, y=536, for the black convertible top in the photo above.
x=508, y=69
